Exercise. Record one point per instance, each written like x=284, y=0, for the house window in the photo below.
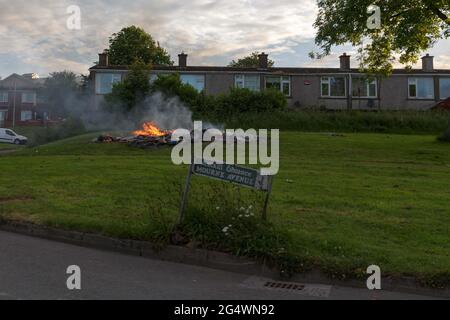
x=195, y=80
x=333, y=87
x=364, y=88
x=252, y=82
x=3, y=97
x=421, y=88
x=29, y=97
x=154, y=76
x=105, y=81
x=26, y=115
x=444, y=88
x=279, y=83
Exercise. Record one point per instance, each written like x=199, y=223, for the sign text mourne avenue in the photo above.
x=235, y=174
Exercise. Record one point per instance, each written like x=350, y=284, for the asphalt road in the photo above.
x=32, y=268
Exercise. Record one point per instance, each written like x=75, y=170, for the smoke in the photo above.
x=167, y=112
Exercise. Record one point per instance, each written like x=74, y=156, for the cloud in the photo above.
x=34, y=32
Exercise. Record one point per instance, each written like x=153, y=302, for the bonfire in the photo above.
x=150, y=135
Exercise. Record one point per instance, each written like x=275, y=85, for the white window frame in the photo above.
x=283, y=80
x=327, y=80
x=242, y=78
x=25, y=94
x=116, y=78
x=368, y=83
x=414, y=81
x=196, y=75
x=4, y=97
x=26, y=112
x=440, y=87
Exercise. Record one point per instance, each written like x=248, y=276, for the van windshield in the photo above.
x=10, y=133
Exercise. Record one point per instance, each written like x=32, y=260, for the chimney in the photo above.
x=428, y=63
x=263, y=61
x=182, y=60
x=345, y=62
x=103, y=59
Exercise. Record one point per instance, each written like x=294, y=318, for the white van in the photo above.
x=9, y=136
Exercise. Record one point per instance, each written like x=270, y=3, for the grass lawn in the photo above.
x=347, y=201
x=8, y=146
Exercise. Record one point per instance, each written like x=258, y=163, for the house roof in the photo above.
x=20, y=82
x=280, y=70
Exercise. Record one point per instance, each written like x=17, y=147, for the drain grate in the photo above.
x=284, y=285
x=312, y=290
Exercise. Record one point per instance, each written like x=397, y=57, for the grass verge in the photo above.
x=340, y=202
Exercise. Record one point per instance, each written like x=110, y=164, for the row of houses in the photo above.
x=338, y=88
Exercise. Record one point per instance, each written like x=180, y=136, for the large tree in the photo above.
x=133, y=44
x=250, y=61
x=408, y=28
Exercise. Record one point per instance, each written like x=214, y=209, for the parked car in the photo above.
x=9, y=136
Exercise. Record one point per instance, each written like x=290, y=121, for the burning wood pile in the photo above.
x=149, y=136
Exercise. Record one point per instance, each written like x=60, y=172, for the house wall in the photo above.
x=217, y=83
x=8, y=107
x=306, y=92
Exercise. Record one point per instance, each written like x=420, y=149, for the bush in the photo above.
x=239, y=101
x=171, y=86
x=226, y=105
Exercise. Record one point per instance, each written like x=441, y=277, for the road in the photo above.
x=33, y=268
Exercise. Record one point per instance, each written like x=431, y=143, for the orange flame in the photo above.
x=150, y=129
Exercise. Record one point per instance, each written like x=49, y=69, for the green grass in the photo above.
x=346, y=201
x=7, y=146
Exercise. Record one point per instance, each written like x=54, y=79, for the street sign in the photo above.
x=243, y=176
x=246, y=177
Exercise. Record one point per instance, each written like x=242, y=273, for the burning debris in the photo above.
x=148, y=137
x=152, y=136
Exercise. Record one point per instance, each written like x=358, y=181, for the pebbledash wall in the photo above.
x=327, y=88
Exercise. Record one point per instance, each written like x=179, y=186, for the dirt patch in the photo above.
x=15, y=198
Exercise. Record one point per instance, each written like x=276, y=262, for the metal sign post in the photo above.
x=185, y=195
x=242, y=176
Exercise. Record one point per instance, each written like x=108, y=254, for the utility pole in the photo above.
x=14, y=104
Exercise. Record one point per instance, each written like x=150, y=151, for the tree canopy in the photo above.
x=127, y=94
x=407, y=29
x=250, y=61
x=133, y=44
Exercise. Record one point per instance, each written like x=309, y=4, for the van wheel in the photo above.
x=17, y=142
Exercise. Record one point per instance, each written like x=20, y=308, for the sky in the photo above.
x=34, y=36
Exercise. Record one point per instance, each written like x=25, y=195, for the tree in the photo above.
x=129, y=93
x=60, y=91
x=251, y=61
x=408, y=28
x=133, y=44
